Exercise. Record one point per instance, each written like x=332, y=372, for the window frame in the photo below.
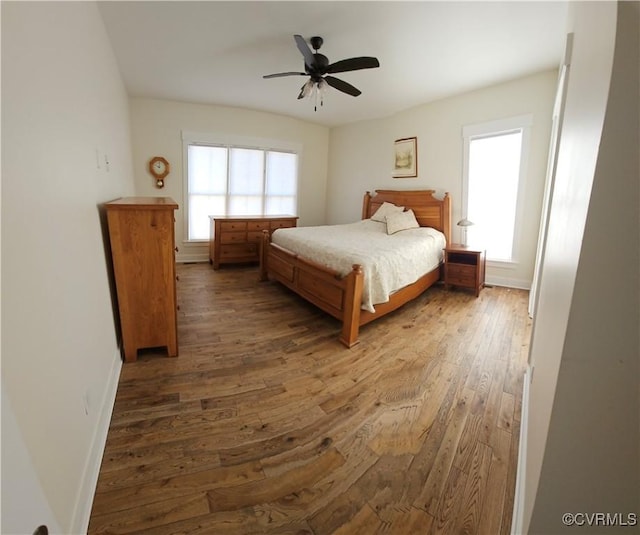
x=496, y=128
x=217, y=139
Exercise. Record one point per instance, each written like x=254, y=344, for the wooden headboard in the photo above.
x=429, y=211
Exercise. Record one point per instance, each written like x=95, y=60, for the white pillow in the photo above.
x=401, y=221
x=386, y=209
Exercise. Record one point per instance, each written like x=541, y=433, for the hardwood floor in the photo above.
x=265, y=423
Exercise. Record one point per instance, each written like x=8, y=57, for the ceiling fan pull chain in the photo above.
x=322, y=86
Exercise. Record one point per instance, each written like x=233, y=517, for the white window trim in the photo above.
x=224, y=139
x=493, y=128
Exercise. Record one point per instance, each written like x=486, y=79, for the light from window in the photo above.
x=246, y=181
x=238, y=181
x=494, y=172
x=281, y=186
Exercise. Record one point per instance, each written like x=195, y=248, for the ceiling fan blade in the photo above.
x=281, y=74
x=353, y=64
x=304, y=48
x=343, y=86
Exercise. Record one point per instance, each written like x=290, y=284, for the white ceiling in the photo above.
x=217, y=52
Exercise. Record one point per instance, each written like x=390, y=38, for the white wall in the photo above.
x=157, y=127
x=64, y=108
x=582, y=435
x=361, y=156
x=24, y=505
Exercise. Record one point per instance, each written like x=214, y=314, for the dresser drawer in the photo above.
x=240, y=251
x=282, y=223
x=257, y=225
x=254, y=236
x=230, y=226
x=233, y=237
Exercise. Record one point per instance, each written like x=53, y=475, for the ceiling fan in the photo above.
x=319, y=70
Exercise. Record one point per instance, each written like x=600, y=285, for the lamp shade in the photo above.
x=464, y=222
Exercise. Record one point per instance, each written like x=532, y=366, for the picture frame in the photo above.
x=405, y=157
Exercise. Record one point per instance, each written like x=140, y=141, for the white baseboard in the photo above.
x=84, y=501
x=508, y=282
x=518, y=500
x=183, y=258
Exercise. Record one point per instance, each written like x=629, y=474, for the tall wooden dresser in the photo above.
x=141, y=232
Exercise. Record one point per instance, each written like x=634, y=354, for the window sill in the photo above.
x=503, y=264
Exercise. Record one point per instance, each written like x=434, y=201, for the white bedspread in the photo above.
x=389, y=262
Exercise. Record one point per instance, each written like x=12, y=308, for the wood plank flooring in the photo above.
x=265, y=423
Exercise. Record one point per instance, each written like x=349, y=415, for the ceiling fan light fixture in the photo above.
x=320, y=89
x=306, y=89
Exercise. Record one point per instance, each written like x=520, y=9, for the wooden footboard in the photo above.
x=327, y=289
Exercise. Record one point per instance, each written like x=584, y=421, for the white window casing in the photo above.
x=256, y=177
x=488, y=131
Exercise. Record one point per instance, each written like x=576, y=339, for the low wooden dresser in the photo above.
x=236, y=239
x=464, y=266
x=141, y=232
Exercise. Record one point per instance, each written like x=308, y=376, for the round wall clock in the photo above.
x=159, y=167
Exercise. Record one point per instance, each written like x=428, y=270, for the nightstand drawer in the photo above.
x=461, y=272
x=468, y=281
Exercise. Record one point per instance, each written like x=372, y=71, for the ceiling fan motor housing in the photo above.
x=320, y=64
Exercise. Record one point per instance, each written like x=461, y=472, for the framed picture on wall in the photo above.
x=405, y=157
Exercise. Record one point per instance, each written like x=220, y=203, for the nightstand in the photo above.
x=464, y=266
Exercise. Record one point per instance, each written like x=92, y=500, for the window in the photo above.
x=229, y=179
x=494, y=156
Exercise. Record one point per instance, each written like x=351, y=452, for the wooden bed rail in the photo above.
x=337, y=295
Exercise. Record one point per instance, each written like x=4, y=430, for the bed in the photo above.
x=350, y=285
